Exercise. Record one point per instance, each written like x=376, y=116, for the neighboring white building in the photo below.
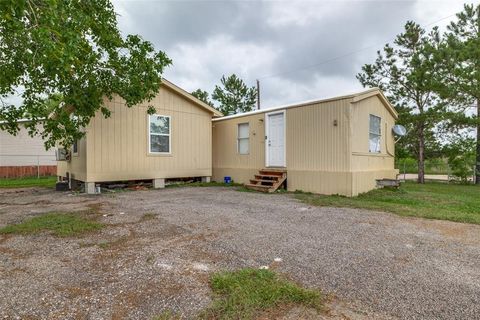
x=22, y=155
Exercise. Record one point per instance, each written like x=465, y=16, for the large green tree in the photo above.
x=203, y=96
x=404, y=72
x=234, y=96
x=458, y=78
x=63, y=57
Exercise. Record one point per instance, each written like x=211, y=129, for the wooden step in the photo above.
x=271, y=172
x=261, y=176
x=260, y=181
x=268, y=180
x=274, y=169
x=258, y=187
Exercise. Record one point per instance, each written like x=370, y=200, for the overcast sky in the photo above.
x=299, y=50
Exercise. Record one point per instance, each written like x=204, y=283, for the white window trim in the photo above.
x=247, y=138
x=376, y=134
x=160, y=134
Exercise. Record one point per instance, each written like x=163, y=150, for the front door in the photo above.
x=275, y=139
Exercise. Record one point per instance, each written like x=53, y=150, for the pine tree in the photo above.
x=202, y=96
x=458, y=78
x=404, y=72
x=234, y=96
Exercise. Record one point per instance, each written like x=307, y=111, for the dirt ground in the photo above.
x=160, y=246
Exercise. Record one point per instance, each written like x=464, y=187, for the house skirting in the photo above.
x=322, y=182
x=364, y=181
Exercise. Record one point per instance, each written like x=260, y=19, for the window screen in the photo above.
x=243, y=139
x=75, y=147
x=159, y=133
x=375, y=133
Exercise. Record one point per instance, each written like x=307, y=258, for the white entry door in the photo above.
x=275, y=139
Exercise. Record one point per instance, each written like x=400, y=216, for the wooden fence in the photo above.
x=27, y=171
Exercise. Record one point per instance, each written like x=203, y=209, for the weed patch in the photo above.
x=246, y=293
x=167, y=315
x=148, y=216
x=59, y=224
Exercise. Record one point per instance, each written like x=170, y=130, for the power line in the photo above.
x=344, y=55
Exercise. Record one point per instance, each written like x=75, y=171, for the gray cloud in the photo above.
x=207, y=39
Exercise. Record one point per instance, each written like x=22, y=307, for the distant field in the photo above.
x=432, y=166
x=433, y=200
x=28, y=182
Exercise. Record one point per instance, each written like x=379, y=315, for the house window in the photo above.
x=375, y=134
x=243, y=138
x=75, y=147
x=159, y=133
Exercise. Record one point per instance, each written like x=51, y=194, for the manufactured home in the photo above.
x=22, y=155
x=333, y=146
x=340, y=145
x=175, y=142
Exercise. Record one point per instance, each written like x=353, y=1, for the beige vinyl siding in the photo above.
x=117, y=147
x=225, y=151
x=360, y=127
x=77, y=167
x=367, y=166
x=313, y=142
x=226, y=159
x=121, y=150
x=326, y=145
x=317, y=150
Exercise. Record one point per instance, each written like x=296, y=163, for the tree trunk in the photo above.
x=421, y=155
x=477, y=158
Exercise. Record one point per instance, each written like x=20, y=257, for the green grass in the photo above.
x=167, y=315
x=454, y=202
x=28, y=182
x=59, y=224
x=432, y=166
x=246, y=293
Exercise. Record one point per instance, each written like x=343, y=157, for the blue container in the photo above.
x=227, y=179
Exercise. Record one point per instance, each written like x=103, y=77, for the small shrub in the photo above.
x=461, y=159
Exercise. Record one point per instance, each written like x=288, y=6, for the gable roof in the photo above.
x=190, y=97
x=376, y=92
x=356, y=97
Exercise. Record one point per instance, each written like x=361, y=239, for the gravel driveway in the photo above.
x=160, y=246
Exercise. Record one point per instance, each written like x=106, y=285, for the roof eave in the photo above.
x=376, y=92
x=298, y=104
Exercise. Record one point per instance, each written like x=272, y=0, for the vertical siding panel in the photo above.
x=116, y=160
x=141, y=124
x=317, y=151
x=119, y=146
x=98, y=144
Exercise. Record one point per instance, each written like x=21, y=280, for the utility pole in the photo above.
x=258, y=95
